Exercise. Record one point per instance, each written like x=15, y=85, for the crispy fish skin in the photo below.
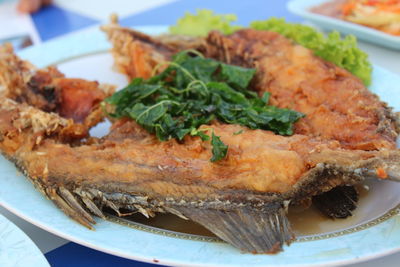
x=135, y=58
x=259, y=162
x=47, y=102
x=48, y=90
x=136, y=54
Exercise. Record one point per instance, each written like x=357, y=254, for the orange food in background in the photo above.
x=383, y=15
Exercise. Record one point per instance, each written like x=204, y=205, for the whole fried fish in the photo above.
x=241, y=199
x=331, y=97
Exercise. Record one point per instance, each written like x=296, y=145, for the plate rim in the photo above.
x=23, y=237
x=33, y=52
x=71, y=238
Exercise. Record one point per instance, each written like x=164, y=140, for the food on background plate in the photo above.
x=144, y=165
x=382, y=15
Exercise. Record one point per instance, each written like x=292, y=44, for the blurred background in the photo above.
x=66, y=16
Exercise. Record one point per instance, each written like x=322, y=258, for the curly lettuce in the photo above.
x=204, y=21
x=343, y=52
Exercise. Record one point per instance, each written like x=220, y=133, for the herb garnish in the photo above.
x=193, y=91
x=219, y=149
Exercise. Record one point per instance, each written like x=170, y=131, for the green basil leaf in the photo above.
x=148, y=115
x=219, y=149
x=265, y=97
x=238, y=132
x=201, y=68
x=236, y=76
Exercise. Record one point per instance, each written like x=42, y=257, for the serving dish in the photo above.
x=16, y=248
x=344, y=245
x=302, y=8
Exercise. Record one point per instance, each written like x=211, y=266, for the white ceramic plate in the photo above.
x=375, y=231
x=302, y=8
x=16, y=248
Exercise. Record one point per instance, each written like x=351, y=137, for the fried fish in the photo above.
x=242, y=198
x=331, y=97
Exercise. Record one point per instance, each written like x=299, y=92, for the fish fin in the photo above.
x=69, y=208
x=73, y=203
x=93, y=207
x=339, y=202
x=247, y=229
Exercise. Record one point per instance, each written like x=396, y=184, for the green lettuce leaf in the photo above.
x=204, y=21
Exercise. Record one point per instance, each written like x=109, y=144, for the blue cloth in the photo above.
x=53, y=21
x=246, y=11
x=72, y=254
